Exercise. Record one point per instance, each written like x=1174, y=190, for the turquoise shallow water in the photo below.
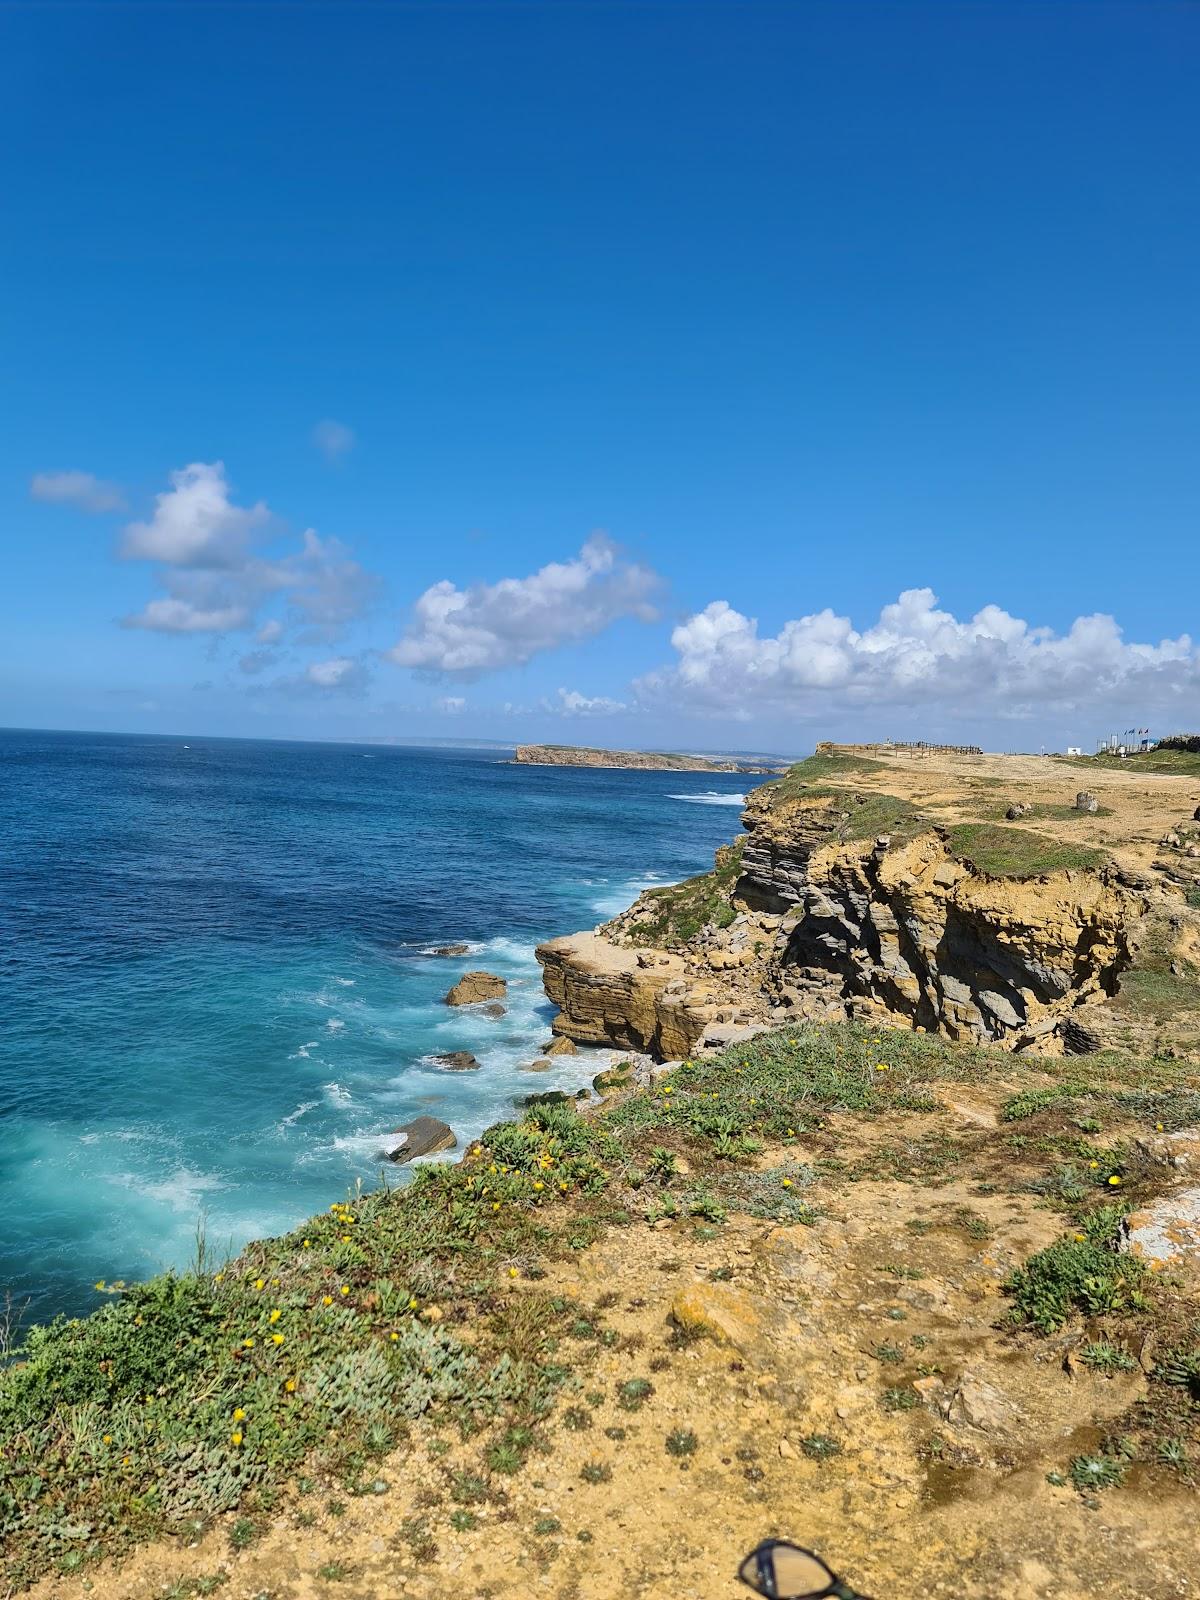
x=214, y=995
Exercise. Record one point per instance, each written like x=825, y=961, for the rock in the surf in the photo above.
x=457, y=1061
x=450, y=950
x=473, y=987
x=423, y=1136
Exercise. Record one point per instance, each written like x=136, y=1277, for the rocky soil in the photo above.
x=852, y=1381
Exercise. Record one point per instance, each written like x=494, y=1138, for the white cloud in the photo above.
x=450, y=704
x=466, y=632
x=80, y=489
x=181, y=616
x=195, y=523
x=993, y=664
x=341, y=672
x=202, y=547
x=570, y=703
x=333, y=439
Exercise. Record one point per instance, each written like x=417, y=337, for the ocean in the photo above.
x=215, y=986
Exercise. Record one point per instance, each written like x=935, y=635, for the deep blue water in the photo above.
x=213, y=991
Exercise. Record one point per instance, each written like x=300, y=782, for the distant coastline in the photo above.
x=565, y=755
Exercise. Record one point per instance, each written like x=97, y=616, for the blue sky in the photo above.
x=615, y=373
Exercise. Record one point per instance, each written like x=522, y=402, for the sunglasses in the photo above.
x=784, y=1571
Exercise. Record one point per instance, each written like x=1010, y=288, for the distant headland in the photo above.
x=568, y=755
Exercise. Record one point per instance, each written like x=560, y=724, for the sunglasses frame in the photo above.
x=761, y=1555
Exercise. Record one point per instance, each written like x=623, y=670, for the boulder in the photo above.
x=561, y=1046
x=540, y=1065
x=493, y=1009
x=457, y=1061
x=1086, y=801
x=474, y=987
x=1021, y=809
x=613, y=1078
x=423, y=1136
x=450, y=950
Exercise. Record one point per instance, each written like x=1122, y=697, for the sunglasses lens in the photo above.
x=796, y=1573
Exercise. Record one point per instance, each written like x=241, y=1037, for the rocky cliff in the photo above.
x=858, y=903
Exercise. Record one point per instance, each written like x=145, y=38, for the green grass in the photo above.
x=1082, y=1273
x=1149, y=989
x=1160, y=763
x=816, y=768
x=1045, y=813
x=676, y=913
x=1016, y=852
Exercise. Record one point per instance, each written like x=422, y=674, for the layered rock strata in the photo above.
x=897, y=929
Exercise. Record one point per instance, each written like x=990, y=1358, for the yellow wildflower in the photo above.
x=787, y=1183
x=290, y=1386
x=107, y=1439
x=260, y=1283
x=276, y=1338
x=412, y=1304
x=538, y=1184
x=308, y=1244
x=344, y=1289
x=512, y=1272
x=248, y=1344
x=327, y=1300
x=235, y=1437
x=1114, y=1180
x=275, y=1315
x=394, y=1337
x=238, y=1414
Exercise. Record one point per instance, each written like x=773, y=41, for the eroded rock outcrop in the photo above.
x=828, y=917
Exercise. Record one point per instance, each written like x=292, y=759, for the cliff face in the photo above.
x=897, y=927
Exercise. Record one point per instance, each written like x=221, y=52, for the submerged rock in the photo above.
x=493, y=1009
x=450, y=950
x=473, y=987
x=423, y=1136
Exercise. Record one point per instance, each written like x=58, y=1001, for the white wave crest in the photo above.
x=711, y=798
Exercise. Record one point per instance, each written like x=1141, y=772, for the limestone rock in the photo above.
x=613, y=1078
x=457, y=1061
x=1180, y=1150
x=560, y=1046
x=540, y=1065
x=717, y=1312
x=423, y=1136
x=605, y=996
x=1086, y=801
x=1167, y=1231
x=473, y=987
x=450, y=950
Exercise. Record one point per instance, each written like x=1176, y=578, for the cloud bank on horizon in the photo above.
x=912, y=655
x=208, y=555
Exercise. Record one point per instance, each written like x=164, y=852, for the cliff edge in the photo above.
x=983, y=899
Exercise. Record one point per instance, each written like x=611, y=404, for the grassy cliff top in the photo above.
x=450, y=1332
